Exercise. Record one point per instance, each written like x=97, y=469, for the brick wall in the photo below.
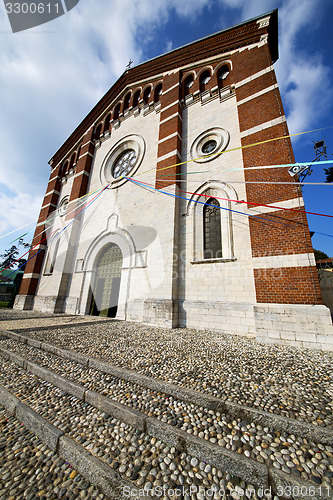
x=170, y=125
x=262, y=118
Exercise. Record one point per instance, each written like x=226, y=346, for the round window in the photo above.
x=124, y=163
x=209, y=147
x=124, y=158
x=209, y=144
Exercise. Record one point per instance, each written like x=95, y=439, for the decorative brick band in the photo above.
x=170, y=133
x=81, y=178
x=284, y=269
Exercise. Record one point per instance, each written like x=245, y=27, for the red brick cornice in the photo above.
x=224, y=41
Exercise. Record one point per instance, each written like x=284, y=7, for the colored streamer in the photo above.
x=203, y=203
x=238, y=148
x=58, y=234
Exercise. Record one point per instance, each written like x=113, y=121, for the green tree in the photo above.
x=329, y=174
x=319, y=255
x=9, y=258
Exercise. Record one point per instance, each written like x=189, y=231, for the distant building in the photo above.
x=189, y=258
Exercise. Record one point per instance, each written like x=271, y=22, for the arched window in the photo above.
x=188, y=83
x=212, y=222
x=65, y=167
x=52, y=256
x=71, y=163
x=127, y=101
x=222, y=74
x=98, y=131
x=78, y=154
x=212, y=229
x=158, y=92
x=116, y=112
x=204, y=79
x=136, y=99
x=107, y=123
x=146, y=94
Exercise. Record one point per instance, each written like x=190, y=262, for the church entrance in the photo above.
x=105, y=293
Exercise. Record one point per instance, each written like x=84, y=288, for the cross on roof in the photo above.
x=129, y=64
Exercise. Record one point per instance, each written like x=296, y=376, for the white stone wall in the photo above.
x=294, y=325
x=140, y=218
x=225, y=282
x=48, y=285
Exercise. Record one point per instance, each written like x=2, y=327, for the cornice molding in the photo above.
x=226, y=41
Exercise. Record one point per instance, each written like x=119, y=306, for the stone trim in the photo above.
x=171, y=153
x=257, y=94
x=254, y=76
x=262, y=126
x=285, y=204
x=175, y=134
x=170, y=117
x=278, y=261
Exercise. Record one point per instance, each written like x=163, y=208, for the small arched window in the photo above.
x=212, y=229
x=188, y=83
x=65, y=167
x=116, y=112
x=78, y=154
x=204, y=80
x=136, y=99
x=146, y=94
x=52, y=256
x=107, y=123
x=98, y=131
x=127, y=101
x=222, y=74
x=72, y=160
x=158, y=92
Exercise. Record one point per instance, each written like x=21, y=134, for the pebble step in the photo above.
x=122, y=461
x=247, y=469
x=282, y=424
x=29, y=469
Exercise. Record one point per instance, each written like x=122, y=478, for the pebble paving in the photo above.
x=30, y=470
x=145, y=461
x=293, y=455
x=295, y=383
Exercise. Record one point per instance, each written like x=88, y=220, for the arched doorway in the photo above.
x=105, y=292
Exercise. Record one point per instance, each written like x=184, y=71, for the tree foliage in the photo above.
x=319, y=255
x=329, y=174
x=9, y=258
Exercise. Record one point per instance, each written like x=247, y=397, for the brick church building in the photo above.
x=188, y=231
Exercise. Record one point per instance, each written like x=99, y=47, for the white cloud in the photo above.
x=303, y=78
x=18, y=211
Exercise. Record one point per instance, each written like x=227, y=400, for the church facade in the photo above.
x=157, y=211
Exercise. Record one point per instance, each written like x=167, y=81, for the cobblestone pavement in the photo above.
x=293, y=455
x=288, y=381
x=294, y=383
x=146, y=461
x=29, y=470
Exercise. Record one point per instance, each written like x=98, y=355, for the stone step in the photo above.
x=220, y=457
x=112, y=454
x=136, y=380
x=29, y=469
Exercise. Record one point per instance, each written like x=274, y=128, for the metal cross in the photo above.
x=129, y=64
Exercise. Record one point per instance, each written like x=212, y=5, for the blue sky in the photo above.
x=52, y=75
